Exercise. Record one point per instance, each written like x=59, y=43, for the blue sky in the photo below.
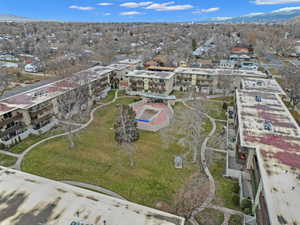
x=139, y=10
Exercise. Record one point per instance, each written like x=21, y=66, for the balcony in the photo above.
x=13, y=131
x=8, y=120
x=42, y=119
x=37, y=111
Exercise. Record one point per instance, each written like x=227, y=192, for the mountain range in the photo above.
x=9, y=17
x=276, y=16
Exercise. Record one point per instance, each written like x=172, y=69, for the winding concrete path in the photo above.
x=94, y=188
x=212, y=185
x=18, y=164
x=9, y=153
x=208, y=202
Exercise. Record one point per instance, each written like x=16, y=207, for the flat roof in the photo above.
x=45, y=92
x=119, y=67
x=263, y=85
x=27, y=199
x=151, y=74
x=161, y=68
x=220, y=72
x=267, y=126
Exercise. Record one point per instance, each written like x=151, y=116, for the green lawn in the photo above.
x=225, y=98
x=32, y=139
x=214, y=109
x=225, y=187
x=217, y=140
x=110, y=96
x=6, y=160
x=235, y=220
x=210, y=217
x=97, y=159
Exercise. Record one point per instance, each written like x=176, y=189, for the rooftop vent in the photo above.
x=268, y=125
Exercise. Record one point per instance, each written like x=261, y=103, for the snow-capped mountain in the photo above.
x=260, y=17
x=8, y=17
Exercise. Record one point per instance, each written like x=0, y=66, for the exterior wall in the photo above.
x=149, y=85
x=202, y=83
x=12, y=125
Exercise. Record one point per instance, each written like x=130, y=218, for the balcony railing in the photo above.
x=19, y=128
x=42, y=119
x=40, y=110
x=6, y=121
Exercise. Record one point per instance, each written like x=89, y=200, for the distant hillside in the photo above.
x=8, y=17
x=295, y=20
x=268, y=17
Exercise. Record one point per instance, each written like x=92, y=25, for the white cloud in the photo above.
x=275, y=2
x=81, y=7
x=209, y=10
x=220, y=18
x=168, y=6
x=254, y=14
x=135, y=4
x=130, y=13
x=107, y=14
x=105, y=3
x=287, y=9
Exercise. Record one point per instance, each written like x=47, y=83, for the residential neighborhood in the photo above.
x=150, y=123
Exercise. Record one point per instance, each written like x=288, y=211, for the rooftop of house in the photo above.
x=151, y=74
x=220, y=72
x=266, y=125
x=28, y=199
x=130, y=61
x=45, y=92
x=263, y=85
x=119, y=66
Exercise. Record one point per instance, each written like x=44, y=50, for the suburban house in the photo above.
x=249, y=66
x=240, y=50
x=227, y=64
x=31, y=68
x=265, y=156
x=71, y=205
x=133, y=63
x=145, y=81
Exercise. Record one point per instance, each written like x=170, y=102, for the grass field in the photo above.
x=32, y=139
x=217, y=140
x=235, y=220
x=224, y=187
x=210, y=217
x=97, y=159
x=6, y=160
x=214, y=109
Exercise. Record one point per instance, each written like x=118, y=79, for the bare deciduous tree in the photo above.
x=126, y=131
x=71, y=104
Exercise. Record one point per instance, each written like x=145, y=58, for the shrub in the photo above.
x=236, y=188
x=236, y=199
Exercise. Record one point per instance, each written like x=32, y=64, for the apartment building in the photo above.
x=36, y=111
x=206, y=80
x=145, y=81
x=266, y=156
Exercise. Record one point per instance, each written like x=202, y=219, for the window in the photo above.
x=258, y=98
